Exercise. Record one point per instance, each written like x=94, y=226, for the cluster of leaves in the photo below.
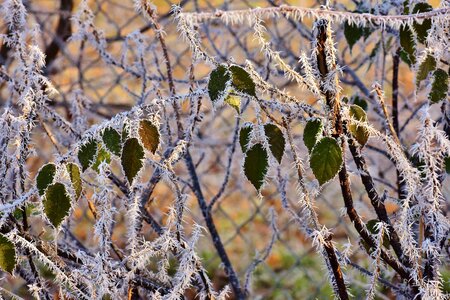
x=325, y=152
x=228, y=83
x=410, y=37
x=57, y=198
x=263, y=144
x=256, y=161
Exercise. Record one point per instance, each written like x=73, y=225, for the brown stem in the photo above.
x=231, y=273
x=158, y=29
x=376, y=201
x=333, y=104
x=396, y=63
x=328, y=245
x=359, y=225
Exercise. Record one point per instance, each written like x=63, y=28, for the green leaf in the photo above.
x=86, y=154
x=132, y=155
x=422, y=29
x=56, y=203
x=405, y=57
x=256, y=165
x=111, y=140
x=352, y=33
x=7, y=255
x=447, y=164
x=408, y=45
x=149, y=135
x=372, y=228
x=360, y=102
x=312, y=131
x=218, y=82
x=427, y=66
x=75, y=178
x=439, y=88
x=406, y=7
x=45, y=177
x=244, y=137
x=326, y=159
x=242, y=81
x=102, y=156
x=359, y=133
x=234, y=102
x=276, y=140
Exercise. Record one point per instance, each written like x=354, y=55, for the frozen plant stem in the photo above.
x=206, y=211
x=324, y=40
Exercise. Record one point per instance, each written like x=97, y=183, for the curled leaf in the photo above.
x=360, y=102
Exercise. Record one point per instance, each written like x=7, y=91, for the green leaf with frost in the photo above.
x=56, y=203
x=218, y=82
x=439, y=87
x=45, y=177
x=422, y=28
x=242, y=81
x=87, y=154
x=313, y=130
x=75, y=178
x=102, y=156
x=359, y=133
x=326, y=159
x=244, y=137
x=256, y=165
x=276, y=140
x=408, y=45
x=427, y=66
x=131, y=159
x=7, y=255
x=360, y=102
x=112, y=140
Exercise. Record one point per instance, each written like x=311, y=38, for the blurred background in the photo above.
x=95, y=86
